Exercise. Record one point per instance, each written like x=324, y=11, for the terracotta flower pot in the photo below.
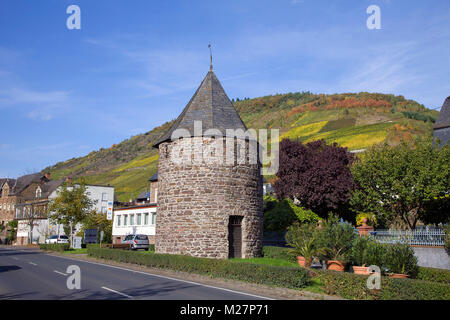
x=361, y=270
x=304, y=263
x=335, y=265
x=399, y=276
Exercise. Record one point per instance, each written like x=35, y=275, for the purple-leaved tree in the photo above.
x=316, y=174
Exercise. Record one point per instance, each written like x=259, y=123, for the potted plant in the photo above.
x=366, y=252
x=370, y=219
x=335, y=241
x=302, y=239
x=401, y=261
x=358, y=255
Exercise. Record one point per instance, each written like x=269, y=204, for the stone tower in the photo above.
x=209, y=208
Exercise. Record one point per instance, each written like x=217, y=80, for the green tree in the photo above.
x=399, y=182
x=12, y=228
x=97, y=220
x=279, y=215
x=71, y=206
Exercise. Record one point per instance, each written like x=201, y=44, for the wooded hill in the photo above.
x=356, y=121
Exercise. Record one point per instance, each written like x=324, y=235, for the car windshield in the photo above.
x=129, y=237
x=53, y=237
x=141, y=237
x=63, y=237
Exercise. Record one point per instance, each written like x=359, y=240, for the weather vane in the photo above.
x=210, y=57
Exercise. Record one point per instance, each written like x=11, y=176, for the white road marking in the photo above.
x=34, y=264
x=64, y=274
x=165, y=277
x=122, y=294
x=15, y=258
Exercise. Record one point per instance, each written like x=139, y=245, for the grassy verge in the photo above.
x=266, y=261
x=76, y=251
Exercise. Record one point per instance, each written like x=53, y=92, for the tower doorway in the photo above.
x=235, y=237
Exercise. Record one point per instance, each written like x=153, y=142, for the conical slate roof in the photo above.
x=210, y=105
x=443, y=119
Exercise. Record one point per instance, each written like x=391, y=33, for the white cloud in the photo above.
x=43, y=104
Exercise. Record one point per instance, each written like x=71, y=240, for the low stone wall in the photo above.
x=433, y=257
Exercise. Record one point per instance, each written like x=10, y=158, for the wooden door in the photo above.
x=235, y=237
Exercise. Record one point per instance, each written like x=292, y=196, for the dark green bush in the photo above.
x=400, y=258
x=60, y=247
x=358, y=251
x=433, y=274
x=353, y=286
x=288, y=277
x=367, y=251
x=278, y=253
x=375, y=254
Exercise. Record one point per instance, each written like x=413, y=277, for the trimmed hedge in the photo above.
x=433, y=274
x=288, y=277
x=278, y=253
x=352, y=286
x=60, y=247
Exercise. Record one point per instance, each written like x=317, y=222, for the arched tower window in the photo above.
x=38, y=192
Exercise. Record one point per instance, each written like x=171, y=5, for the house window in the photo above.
x=146, y=218
x=103, y=209
x=9, y=207
x=153, y=218
x=118, y=220
x=138, y=222
x=131, y=219
x=125, y=219
x=156, y=195
x=104, y=196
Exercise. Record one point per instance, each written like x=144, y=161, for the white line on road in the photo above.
x=165, y=277
x=34, y=264
x=122, y=294
x=15, y=258
x=64, y=274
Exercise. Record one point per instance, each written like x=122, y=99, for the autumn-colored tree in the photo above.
x=316, y=174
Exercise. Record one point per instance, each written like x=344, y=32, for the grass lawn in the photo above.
x=76, y=251
x=268, y=261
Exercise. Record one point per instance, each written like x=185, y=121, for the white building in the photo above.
x=134, y=220
x=102, y=196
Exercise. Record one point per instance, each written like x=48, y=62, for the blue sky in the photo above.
x=135, y=64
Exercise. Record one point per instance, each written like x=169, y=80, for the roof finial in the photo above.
x=210, y=56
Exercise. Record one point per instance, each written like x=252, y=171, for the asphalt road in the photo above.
x=30, y=274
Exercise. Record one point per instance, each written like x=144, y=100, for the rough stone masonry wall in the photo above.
x=196, y=200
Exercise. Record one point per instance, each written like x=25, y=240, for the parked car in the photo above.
x=57, y=239
x=137, y=241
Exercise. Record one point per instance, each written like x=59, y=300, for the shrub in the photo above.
x=353, y=286
x=433, y=274
x=400, y=258
x=366, y=252
x=278, y=253
x=335, y=239
x=288, y=277
x=60, y=247
x=358, y=250
x=375, y=254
